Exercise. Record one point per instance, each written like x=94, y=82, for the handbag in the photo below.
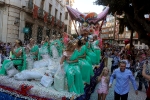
x=59, y=79
x=46, y=80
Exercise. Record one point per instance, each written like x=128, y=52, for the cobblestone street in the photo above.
x=132, y=96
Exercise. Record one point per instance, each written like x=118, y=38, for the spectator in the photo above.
x=141, y=78
x=148, y=78
x=104, y=82
x=122, y=76
x=115, y=61
x=8, y=48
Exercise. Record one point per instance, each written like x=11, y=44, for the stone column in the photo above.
x=22, y=25
x=34, y=31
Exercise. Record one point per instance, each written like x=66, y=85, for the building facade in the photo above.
x=25, y=19
x=68, y=21
x=108, y=34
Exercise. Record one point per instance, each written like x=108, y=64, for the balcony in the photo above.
x=56, y=21
x=29, y=6
x=61, y=23
x=49, y=17
x=40, y=12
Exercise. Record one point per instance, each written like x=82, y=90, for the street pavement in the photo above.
x=131, y=96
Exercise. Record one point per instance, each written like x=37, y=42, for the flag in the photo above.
x=63, y=25
x=35, y=12
x=45, y=17
x=58, y=23
x=53, y=19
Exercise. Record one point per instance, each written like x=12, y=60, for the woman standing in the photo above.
x=96, y=49
x=89, y=51
x=18, y=58
x=71, y=67
x=44, y=50
x=53, y=48
x=85, y=67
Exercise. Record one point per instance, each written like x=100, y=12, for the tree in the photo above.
x=133, y=12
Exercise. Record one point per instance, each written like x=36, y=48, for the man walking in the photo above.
x=122, y=76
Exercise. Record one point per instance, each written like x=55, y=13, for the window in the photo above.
x=56, y=13
x=65, y=28
x=66, y=15
x=136, y=41
x=67, y=2
x=50, y=9
x=60, y=16
x=42, y=4
x=27, y=36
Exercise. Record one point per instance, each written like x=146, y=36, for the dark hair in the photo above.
x=20, y=42
x=80, y=43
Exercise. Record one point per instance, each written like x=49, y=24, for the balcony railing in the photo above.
x=49, y=17
x=56, y=20
x=40, y=12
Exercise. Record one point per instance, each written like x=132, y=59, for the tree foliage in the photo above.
x=134, y=19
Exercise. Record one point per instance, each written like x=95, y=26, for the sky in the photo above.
x=87, y=6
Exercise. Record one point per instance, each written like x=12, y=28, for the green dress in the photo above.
x=34, y=49
x=50, y=47
x=85, y=67
x=59, y=47
x=73, y=74
x=18, y=61
x=97, y=51
x=90, y=53
x=44, y=50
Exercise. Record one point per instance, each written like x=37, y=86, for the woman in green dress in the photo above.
x=85, y=66
x=33, y=49
x=44, y=50
x=96, y=49
x=71, y=67
x=90, y=52
x=18, y=58
x=53, y=48
x=59, y=46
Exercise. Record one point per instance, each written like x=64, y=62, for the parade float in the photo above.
x=22, y=86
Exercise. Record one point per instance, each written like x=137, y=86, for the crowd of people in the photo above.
x=127, y=64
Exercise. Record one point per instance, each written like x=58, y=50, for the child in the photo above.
x=104, y=82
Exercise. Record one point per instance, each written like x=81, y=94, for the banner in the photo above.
x=35, y=12
x=45, y=17
x=53, y=19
